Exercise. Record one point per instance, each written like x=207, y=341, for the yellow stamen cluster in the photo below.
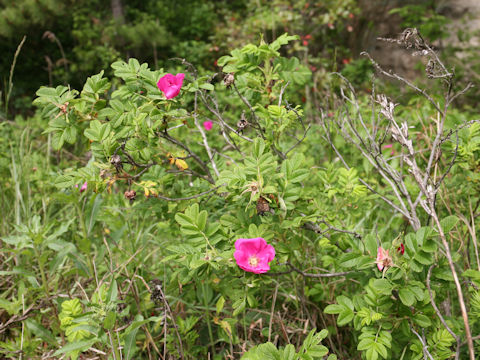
x=253, y=261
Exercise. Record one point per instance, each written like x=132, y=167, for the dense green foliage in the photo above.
x=140, y=263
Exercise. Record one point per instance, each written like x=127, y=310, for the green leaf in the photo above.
x=365, y=344
x=422, y=320
x=422, y=234
x=57, y=140
x=371, y=244
x=202, y=220
x=291, y=70
x=70, y=135
x=289, y=352
x=137, y=323
x=238, y=306
x=407, y=297
x=349, y=260
x=424, y=258
x=372, y=354
x=129, y=347
x=112, y=292
x=40, y=331
x=75, y=346
x=383, y=286
x=64, y=181
x=258, y=147
x=448, y=223
x=219, y=305
x=224, y=60
x=110, y=319
x=72, y=307
x=345, y=302
x=48, y=91
x=207, y=86
x=333, y=309
x=411, y=244
x=345, y=317
x=282, y=40
x=382, y=350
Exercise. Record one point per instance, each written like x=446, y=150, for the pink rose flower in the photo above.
x=208, y=125
x=170, y=85
x=253, y=255
x=383, y=259
x=83, y=188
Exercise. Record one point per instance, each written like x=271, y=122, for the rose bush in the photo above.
x=160, y=246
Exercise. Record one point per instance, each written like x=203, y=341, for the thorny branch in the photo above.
x=158, y=296
x=439, y=314
x=424, y=345
x=314, y=227
x=363, y=137
x=197, y=158
x=305, y=274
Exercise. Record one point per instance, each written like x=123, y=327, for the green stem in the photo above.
x=207, y=315
x=81, y=220
x=42, y=271
x=245, y=310
x=113, y=343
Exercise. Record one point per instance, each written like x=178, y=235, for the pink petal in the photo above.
x=179, y=79
x=380, y=258
x=170, y=85
x=208, y=125
x=267, y=254
x=252, y=246
x=165, y=82
x=171, y=92
x=84, y=187
x=241, y=257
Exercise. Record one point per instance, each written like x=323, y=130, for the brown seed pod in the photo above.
x=104, y=173
x=229, y=79
x=242, y=123
x=156, y=292
x=262, y=206
x=130, y=195
x=116, y=161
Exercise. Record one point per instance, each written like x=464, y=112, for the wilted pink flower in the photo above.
x=383, y=259
x=349, y=28
x=170, y=85
x=83, y=187
x=253, y=255
x=208, y=125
